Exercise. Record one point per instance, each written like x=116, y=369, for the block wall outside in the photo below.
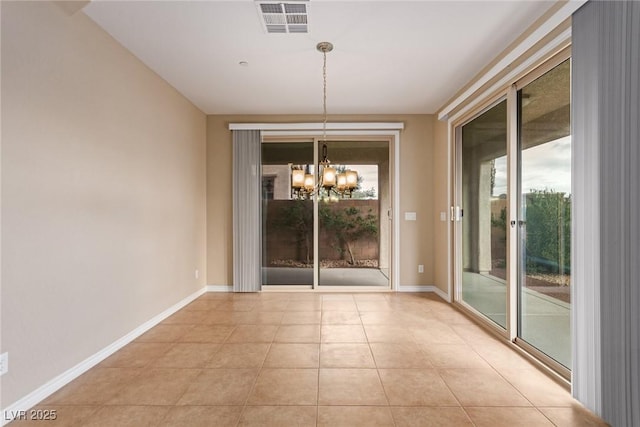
x=282, y=242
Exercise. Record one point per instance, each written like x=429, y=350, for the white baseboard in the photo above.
x=66, y=377
x=442, y=294
x=219, y=288
x=402, y=288
x=425, y=288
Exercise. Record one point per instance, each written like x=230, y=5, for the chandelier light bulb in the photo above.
x=328, y=177
x=297, y=178
x=352, y=179
x=309, y=183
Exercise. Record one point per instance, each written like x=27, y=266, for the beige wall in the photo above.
x=103, y=193
x=416, y=193
x=441, y=203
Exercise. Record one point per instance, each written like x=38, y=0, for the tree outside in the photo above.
x=348, y=226
x=548, y=215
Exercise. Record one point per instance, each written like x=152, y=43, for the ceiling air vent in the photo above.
x=278, y=17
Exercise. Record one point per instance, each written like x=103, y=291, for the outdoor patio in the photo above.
x=328, y=276
x=546, y=323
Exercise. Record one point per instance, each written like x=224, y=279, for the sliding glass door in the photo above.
x=288, y=254
x=483, y=143
x=354, y=231
x=544, y=196
x=513, y=213
x=314, y=237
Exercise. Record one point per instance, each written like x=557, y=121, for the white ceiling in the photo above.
x=390, y=56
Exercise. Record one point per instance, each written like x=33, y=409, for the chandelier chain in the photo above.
x=324, y=96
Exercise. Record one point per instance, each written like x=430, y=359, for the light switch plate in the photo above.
x=410, y=216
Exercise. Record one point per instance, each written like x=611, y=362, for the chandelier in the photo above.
x=333, y=181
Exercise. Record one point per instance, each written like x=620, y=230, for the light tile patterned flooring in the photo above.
x=302, y=359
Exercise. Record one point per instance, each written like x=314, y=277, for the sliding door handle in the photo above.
x=456, y=213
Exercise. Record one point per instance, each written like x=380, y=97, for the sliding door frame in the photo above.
x=348, y=131
x=544, y=68
x=509, y=92
x=456, y=215
x=383, y=213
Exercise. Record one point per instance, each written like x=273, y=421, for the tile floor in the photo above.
x=301, y=359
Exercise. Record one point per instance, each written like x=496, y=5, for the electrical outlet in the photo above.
x=4, y=363
x=197, y=274
x=420, y=268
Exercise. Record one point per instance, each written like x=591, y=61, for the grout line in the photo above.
x=545, y=415
x=255, y=381
x=384, y=390
x=318, y=389
x=454, y=395
x=183, y=393
x=468, y=416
